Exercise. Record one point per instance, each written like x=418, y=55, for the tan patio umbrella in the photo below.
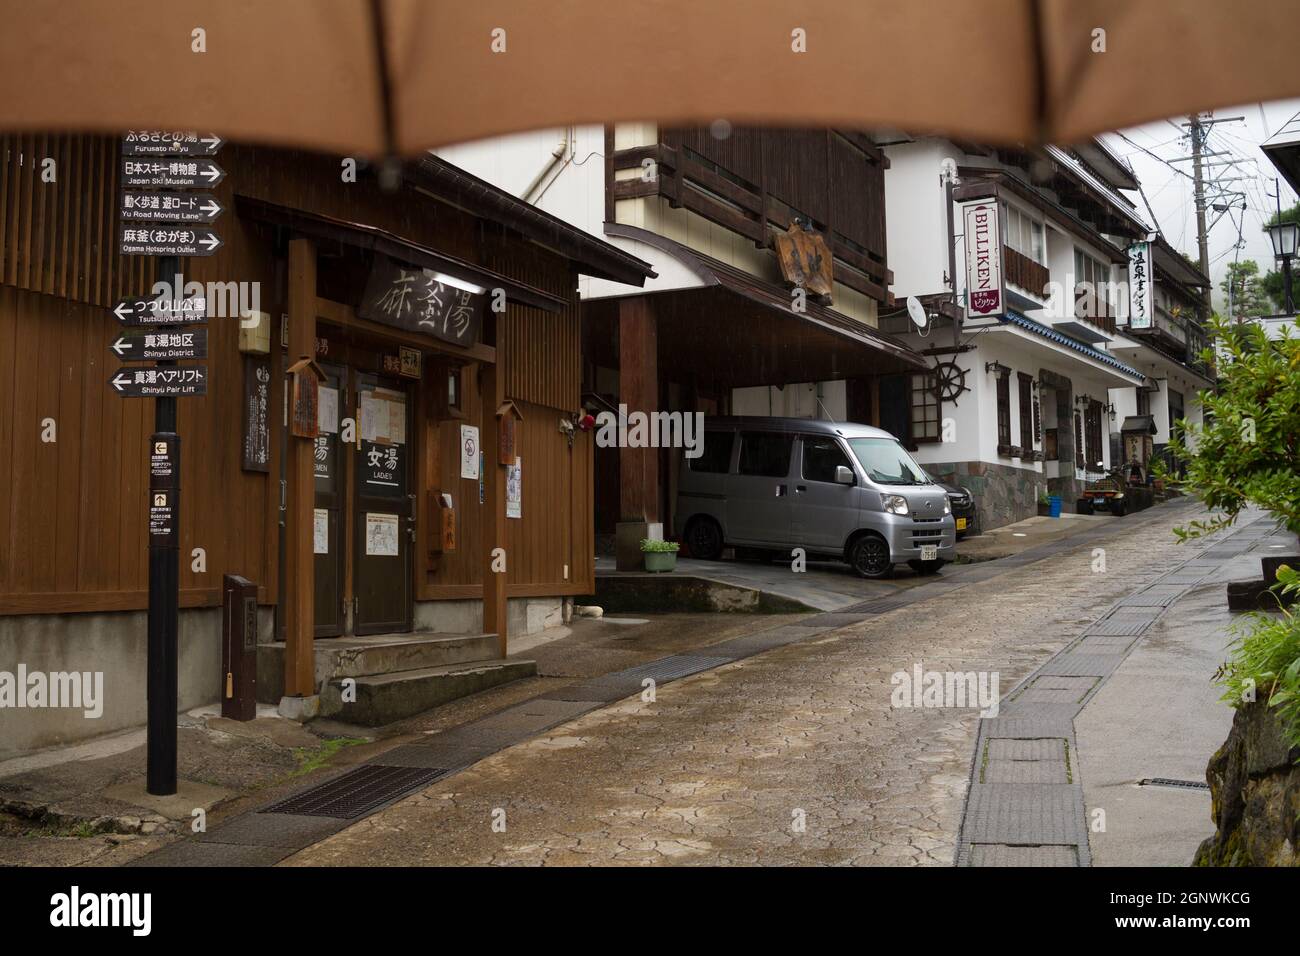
x=313, y=72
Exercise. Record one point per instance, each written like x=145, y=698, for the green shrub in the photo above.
x=1248, y=451
x=648, y=544
x=1265, y=661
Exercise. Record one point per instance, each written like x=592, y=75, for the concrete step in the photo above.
x=338, y=657
x=384, y=698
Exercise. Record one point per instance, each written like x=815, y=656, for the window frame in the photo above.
x=1004, y=410
x=803, y=456
x=918, y=426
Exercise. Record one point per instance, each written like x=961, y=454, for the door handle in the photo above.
x=799, y=488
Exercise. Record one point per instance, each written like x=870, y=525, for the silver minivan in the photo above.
x=842, y=490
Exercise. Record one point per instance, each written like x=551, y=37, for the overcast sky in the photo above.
x=1170, y=193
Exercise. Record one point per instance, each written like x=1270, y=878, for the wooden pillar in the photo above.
x=495, y=559
x=638, y=389
x=300, y=475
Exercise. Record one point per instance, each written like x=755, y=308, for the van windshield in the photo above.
x=886, y=462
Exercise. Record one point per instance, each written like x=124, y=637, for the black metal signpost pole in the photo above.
x=164, y=580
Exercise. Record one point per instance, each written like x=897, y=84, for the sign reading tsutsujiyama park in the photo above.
x=1141, y=298
x=984, y=293
x=169, y=207
x=153, y=240
x=165, y=344
x=141, y=311
x=162, y=142
x=171, y=173
x=420, y=300
x=175, y=381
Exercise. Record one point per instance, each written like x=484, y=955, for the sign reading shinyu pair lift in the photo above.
x=160, y=217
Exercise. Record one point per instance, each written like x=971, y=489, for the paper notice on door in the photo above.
x=374, y=418
x=320, y=531
x=515, y=489
x=381, y=535
x=468, y=451
x=397, y=422
x=327, y=411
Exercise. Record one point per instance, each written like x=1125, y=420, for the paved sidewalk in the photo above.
x=792, y=756
x=1026, y=804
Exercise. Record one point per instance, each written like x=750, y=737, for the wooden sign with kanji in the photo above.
x=304, y=421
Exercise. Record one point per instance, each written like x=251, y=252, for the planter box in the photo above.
x=660, y=560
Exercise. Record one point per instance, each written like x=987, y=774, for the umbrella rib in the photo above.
x=385, y=80
x=1040, y=69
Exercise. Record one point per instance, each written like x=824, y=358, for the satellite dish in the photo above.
x=917, y=312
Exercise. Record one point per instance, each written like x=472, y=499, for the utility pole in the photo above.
x=1198, y=129
x=1197, y=132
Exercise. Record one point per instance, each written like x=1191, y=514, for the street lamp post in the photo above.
x=1285, y=237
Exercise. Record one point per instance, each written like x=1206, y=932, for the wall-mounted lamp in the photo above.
x=1034, y=383
x=1082, y=399
x=997, y=368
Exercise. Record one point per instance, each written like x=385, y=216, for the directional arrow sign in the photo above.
x=165, y=344
x=139, y=311
x=148, y=240
x=157, y=142
x=172, y=381
x=169, y=207
x=167, y=173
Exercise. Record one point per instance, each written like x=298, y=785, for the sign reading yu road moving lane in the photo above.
x=153, y=240
x=139, y=310
x=170, y=173
x=161, y=142
x=168, y=344
x=175, y=381
x=169, y=207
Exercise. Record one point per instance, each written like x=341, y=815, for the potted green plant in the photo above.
x=1044, y=505
x=659, y=555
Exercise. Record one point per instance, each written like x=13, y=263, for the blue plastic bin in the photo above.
x=1054, y=506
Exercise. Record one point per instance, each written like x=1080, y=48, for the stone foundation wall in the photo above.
x=1255, y=795
x=1003, y=494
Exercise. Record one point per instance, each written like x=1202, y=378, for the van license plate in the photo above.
x=929, y=552
x=961, y=524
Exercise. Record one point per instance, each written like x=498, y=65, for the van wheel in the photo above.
x=704, y=538
x=869, y=557
x=926, y=567
x=1118, y=509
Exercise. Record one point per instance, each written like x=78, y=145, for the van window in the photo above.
x=821, y=456
x=765, y=453
x=715, y=456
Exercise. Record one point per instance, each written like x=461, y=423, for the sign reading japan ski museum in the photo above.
x=984, y=293
x=171, y=173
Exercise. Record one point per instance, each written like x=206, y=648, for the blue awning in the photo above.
x=1049, y=333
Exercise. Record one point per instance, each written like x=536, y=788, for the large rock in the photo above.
x=1255, y=791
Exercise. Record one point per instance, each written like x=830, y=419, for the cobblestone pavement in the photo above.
x=791, y=757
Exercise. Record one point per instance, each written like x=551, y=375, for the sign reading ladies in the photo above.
x=984, y=295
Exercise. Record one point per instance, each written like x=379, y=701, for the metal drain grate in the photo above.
x=1177, y=784
x=358, y=791
x=670, y=668
x=880, y=606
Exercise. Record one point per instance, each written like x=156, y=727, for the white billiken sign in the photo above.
x=984, y=295
x=1141, y=300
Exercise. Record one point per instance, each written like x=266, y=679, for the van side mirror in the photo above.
x=844, y=475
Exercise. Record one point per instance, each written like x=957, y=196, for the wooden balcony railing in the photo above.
x=1024, y=273
x=756, y=179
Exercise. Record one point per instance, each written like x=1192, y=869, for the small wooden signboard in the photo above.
x=508, y=419
x=304, y=419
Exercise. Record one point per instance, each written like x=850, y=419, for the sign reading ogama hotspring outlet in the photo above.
x=984, y=292
x=1140, y=281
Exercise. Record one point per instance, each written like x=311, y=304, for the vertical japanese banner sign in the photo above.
x=1141, y=302
x=984, y=293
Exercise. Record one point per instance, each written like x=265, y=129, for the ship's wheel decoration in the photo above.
x=948, y=381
